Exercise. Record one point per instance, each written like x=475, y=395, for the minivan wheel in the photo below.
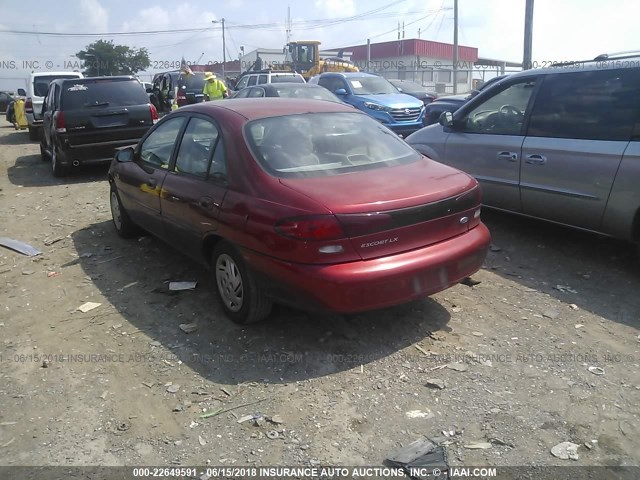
x=243, y=301
x=34, y=133
x=44, y=156
x=57, y=169
x=121, y=220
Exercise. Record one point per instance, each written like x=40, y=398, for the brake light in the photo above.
x=154, y=113
x=182, y=96
x=60, y=128
x=28, y=105
x=316, y=227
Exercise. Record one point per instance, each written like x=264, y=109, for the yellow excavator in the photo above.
x=305, y=59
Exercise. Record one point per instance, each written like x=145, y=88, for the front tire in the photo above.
x=125, y=228
x=243, y=301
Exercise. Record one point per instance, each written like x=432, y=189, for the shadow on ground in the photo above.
x=17, y=137
x=32, y=171
x=558, y=260
x=290, y=346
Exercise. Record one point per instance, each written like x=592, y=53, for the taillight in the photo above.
x=28, y=105
x=316, y=227
x=154, y=113
x=60, y=128
x=182, y=96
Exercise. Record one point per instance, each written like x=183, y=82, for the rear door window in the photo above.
x=252, y=80
x=197, y=144
x=594, y=105
x=263, y=79
x=112, y=93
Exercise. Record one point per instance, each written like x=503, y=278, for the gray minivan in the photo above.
x=561, y=144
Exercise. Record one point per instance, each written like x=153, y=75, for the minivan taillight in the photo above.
x=312, y=227
x=60, y=128
x=28, y=105
x=154, y=113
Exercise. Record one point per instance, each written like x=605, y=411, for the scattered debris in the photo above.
x=104, y=394
x=123, y=427
x=420, y=349
x=201, y=440
x=566, y=451
x=272, y=434
x=494, y=248
x=470, y=282
x=52, y=274
x=588, y=445
x=188, y=327
x=8, y=443
x=20, y=247
x=419, y=414
x=177, y=408
x=228, y=409
x=458, y=367
x=179, y=286
x=51, y=241
x=420, y=453
x=245, y=418
x=596, y=370
x=277, y=419
x=87, y=307
x=573, y=306
x=436, y=383
x=45, y=363
x=564, y=289
x=503, y=443
x=477, y=334
x=225, y=391
x=28, y=272
x=552, y=314
x=173, y=388
x=128, y=285
x=478, y=446
x=579, y=325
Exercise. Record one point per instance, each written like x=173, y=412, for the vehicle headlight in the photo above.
x=375, y=106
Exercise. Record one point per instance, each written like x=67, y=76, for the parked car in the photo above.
x=558, y=144
x=288, y=90
x=36, y=91
x=86, y=120
x=5, y=99
x=189, y=89
x=304, y=202
x=414, y=89
x=376, y=97
x=451, y=103
x=263, y=77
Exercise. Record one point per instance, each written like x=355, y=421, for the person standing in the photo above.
x=213, y=89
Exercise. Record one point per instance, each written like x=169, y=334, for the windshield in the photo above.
x=371, y=86
x=41, y=84
x=412, y=87
x=303, y=91
x=192, y=82
x=103, y=93
x=325, y=144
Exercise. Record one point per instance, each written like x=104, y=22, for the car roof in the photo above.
x=93, y=79
x=254, y=108
x=348, y=74
x=54, y=74
x=286, y=85
x=569, y=67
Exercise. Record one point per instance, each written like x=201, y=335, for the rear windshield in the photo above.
x=192, y=82
x=275, y=78
x=41, y=84
x=111, y=93
x=304, y=91
x=325, y=144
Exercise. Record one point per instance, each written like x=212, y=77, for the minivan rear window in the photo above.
x=275, y=78
x=192, y=82
x=103, y=92
x=41, y=84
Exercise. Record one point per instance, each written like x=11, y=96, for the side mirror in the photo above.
x=125, y=155
x=149, y=90
x=340, y=91
x=22, y=92
x=446, y=119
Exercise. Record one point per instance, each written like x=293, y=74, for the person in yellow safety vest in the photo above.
x=213, y=89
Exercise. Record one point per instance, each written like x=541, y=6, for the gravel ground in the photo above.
x=544, y=350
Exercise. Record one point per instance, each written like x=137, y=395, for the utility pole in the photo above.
x=528, y=35
x=455, y=46
x=224, y=51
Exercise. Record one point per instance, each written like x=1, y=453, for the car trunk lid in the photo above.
x=400, y=208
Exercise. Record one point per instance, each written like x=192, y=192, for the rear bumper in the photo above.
x=91, y=153
x=377, y=283
x=32, y=121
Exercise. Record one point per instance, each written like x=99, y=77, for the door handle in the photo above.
x=206, y=202
x=152, y=182
x=536, y=159
x=511, y=156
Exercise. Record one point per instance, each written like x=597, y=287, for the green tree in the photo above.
x=104, y=58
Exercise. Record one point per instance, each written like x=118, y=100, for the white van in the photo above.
x=36, y=91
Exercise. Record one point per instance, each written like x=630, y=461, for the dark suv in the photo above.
x=188, y=87
x=85, y=120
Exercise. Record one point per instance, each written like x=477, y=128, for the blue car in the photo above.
x=376, y=97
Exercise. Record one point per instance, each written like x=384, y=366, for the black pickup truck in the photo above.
x=85, y=120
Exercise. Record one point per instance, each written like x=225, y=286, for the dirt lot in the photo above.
x=125, y=386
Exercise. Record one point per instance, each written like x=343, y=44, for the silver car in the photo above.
x=561, y=144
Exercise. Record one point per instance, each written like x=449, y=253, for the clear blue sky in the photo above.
x=563, y=29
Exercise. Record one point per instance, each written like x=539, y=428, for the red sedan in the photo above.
x=303, y=202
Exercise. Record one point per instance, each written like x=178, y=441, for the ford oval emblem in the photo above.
x=464, y=220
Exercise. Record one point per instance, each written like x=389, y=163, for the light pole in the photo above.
x=224, y=47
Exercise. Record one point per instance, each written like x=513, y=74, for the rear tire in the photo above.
x=34, y=133
x=57, y=169
x=243, y=301
x=44, y=156
x=123, y=224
